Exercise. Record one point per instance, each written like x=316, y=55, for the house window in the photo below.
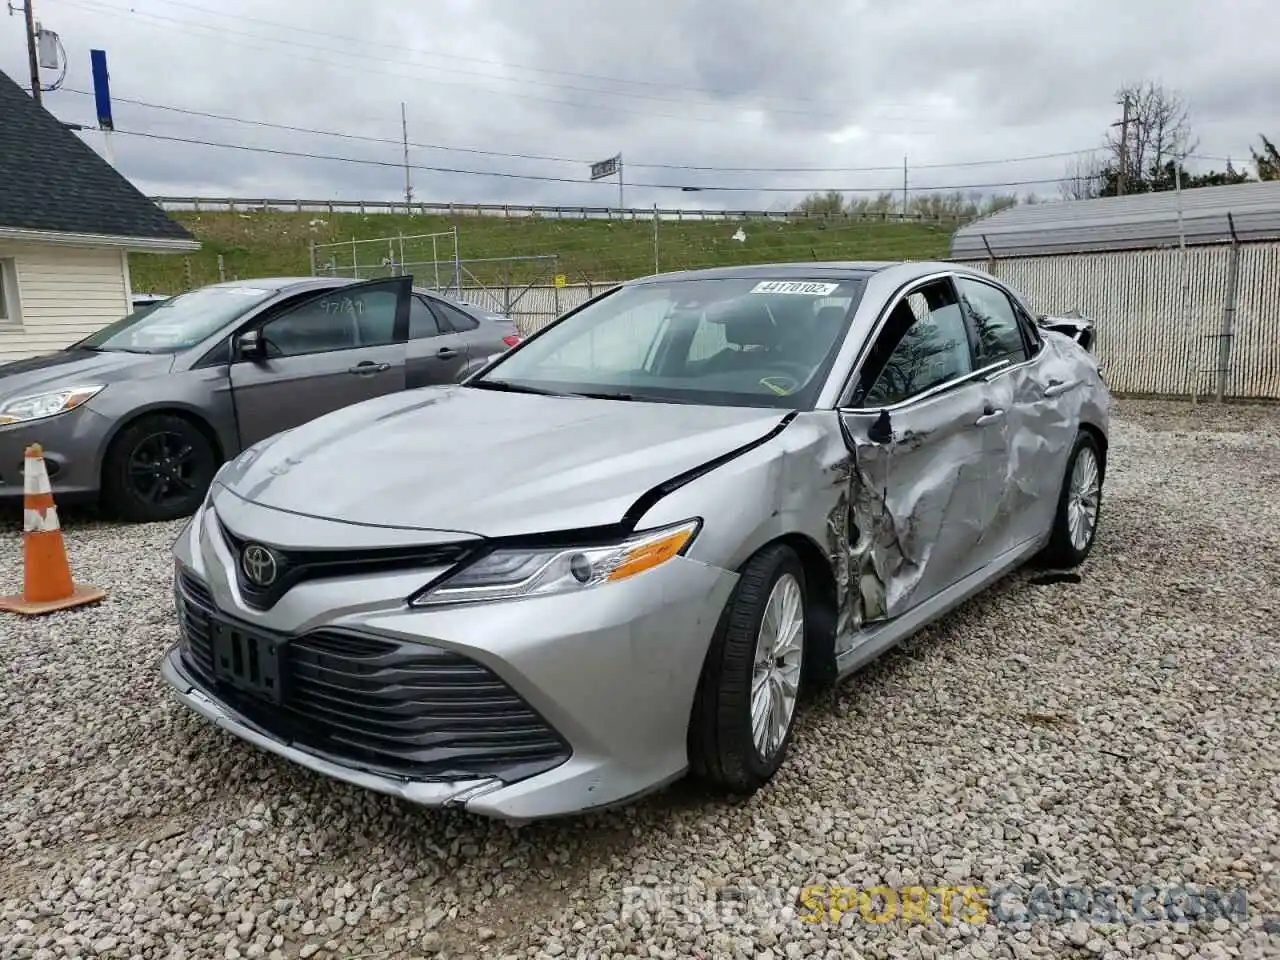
x=9, y=312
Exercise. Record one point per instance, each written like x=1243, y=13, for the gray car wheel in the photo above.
x=158, y=468
x=745, y=707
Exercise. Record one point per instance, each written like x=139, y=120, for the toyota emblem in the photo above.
x=259, y=565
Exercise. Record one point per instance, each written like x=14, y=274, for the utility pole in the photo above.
x=1123, y=173
x=904, y=188
x=404, y=133
x=33, y=60
x=656, y=268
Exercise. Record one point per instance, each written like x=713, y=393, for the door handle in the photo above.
x=367, y=368
x=446, y=353
x=1057, y=388
x=989, y=415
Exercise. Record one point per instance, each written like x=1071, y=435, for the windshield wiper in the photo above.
x=602, y=395
x=506, y=386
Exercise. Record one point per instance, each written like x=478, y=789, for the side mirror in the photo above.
x=250, y=346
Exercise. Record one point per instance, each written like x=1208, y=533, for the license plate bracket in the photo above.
x=248, y=661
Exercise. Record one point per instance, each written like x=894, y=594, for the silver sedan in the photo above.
x=622, y=550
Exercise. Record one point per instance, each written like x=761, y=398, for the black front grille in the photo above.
x=294, y=566
x=402, y=708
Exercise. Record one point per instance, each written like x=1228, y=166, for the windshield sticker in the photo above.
x=245, y=291
x=805, y=288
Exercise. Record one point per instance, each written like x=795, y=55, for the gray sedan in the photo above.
x=143, y=412
x=618, y=553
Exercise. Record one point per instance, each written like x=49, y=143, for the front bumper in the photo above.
x=438, y=793
x=73, y=443
x=609, y=673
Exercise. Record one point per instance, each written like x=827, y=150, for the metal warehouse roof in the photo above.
x=1133, y=222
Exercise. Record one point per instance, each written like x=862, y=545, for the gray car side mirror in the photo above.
x=250, y=345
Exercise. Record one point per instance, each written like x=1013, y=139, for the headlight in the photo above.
x=507, y=574
x=37, y=406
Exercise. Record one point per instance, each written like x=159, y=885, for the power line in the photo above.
x=698, y=188
x=451, y=56
x=97, y=6
x=102, y=8
x=544, y=157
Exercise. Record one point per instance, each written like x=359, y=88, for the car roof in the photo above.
x=803, y=270
x=282, y=283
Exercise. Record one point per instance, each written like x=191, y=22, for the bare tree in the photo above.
x=1159, y=132
x=831, y=203
x=1268, y=161
x=1084, y=178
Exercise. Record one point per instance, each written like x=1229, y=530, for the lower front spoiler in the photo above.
x=425, y=793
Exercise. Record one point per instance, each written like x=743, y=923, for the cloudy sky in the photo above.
x=538, y=88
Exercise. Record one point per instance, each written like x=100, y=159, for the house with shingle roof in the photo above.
x=68, y=222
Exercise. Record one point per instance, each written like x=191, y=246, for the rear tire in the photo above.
x=157, y=468
x=1075, y=523
x=724, y=748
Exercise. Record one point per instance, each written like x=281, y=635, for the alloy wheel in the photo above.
x=1083, y=498
x=163, y=469
x=775, y=680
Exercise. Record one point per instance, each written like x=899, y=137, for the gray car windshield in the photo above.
x=178, y=323
x=739, y=342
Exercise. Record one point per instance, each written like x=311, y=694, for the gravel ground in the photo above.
x=1120, y=731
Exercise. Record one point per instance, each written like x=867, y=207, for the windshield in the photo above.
x=729, y=342
x=177, y=323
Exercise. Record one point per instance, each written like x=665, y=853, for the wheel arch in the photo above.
x=1099, y=437
x=183, y=412
x=822, y=599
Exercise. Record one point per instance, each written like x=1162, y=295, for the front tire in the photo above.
x=1075, y=523
x=157, y=468
x=745, y=706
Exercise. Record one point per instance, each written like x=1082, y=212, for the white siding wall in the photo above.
x=64, y=294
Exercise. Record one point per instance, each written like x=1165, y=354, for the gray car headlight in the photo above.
x=38, y=406
x=511, y=573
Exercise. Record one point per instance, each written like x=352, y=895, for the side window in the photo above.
x=994, y=320
x=923, y=344
x=1030, y=328
x=338, y=320
x=453, y=318
x=422, y=322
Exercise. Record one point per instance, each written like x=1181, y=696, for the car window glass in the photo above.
x=923, y=344
x=422, y=322
x=708, y=340
x=179, y=322
x=996, y=325
x=616, y=347
x=453, y=317
x=728, y=340
x=338, y=320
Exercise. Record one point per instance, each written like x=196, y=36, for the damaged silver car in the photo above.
x=619, y=552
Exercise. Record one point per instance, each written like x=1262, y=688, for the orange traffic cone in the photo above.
x=47, y=584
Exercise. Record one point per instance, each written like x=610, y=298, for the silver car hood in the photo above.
x=486, y=463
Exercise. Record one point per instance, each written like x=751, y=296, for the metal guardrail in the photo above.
x=244, y=205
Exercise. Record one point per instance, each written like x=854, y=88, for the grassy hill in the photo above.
x=272, y=244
